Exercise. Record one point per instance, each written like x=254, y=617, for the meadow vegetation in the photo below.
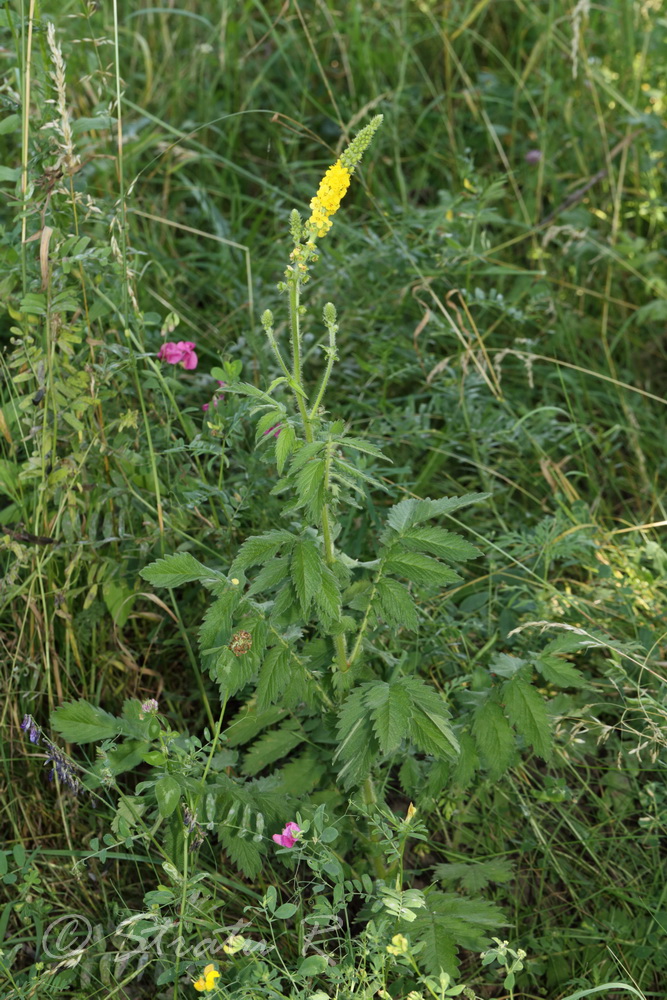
x=333, y=588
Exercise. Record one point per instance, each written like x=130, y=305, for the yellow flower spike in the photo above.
x=399, y=945
x=207, y=980
x=336, y=181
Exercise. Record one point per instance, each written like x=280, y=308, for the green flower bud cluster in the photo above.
x=360, y=144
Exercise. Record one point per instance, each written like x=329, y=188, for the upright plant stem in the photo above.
x=327, y=536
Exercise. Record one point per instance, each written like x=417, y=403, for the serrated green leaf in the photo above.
x=467, y=764
x=494, y=738
x=268, y=422
x=167, y=793
x=306, y=572
x=410, y=512
x=391, y=711
x=327, y=596
x=175, y=570
x=395, y=604
x=305, y=454
x=439, y=542
x=559, y=671
x=285, y=445
x=243, y=852
x=359, y=444
x=475, y=875
x=357, y=747
x=272, y=573
x=450, y=921
x=216, y=629
x=309, y=485
x=258, y=549
x=270, y=747
x=245, y=726
x=274, y=676
x=81, y=722
x=419, y=568
x=527, y=712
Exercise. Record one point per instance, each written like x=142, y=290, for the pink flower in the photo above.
x=216, y=399
x=288, y=837
x=276, y=428
x=533, y=156
x=174, y=354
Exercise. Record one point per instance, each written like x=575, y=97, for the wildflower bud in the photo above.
x=329, y=314
x=295, y=225
x=267, y=319
x=360, y=144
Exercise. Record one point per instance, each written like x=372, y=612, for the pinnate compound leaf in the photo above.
x=476, y=875
x=175, y=570
x=81, y=722
x=410, y=512
x=527, y=712
x=306, y=571
x=451, y=921
x=328, y=595
x=494, y=738
x=270, y=747
x=357, y=748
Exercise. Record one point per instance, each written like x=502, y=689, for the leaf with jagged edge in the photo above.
x=476, y=875
x=327, y=596
x=559, y=671
x=394, y=603
x=419, y=568
x=180, y=568
x=306, y=571
x=391, y=711
x=494, y=738
x=448, y=922
x=274, y=676
x=357, y=747
x=242, y=851
x=525, y=708
x=272, y=746
x=271, y=574
x=286, y=442
x=412, y=511
x=260, y=548
x=439, y=542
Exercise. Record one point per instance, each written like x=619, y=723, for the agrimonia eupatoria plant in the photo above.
x=304, y=643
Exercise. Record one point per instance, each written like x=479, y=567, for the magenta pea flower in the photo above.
x=275, y=430
x=288, y=837
x=182, y=352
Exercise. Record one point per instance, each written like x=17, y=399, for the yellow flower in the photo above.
x=234, y=944
x=399, y=945
x=329, y=195
x=207, y=980
x=410, y=813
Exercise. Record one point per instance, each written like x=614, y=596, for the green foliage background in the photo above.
x=501, y=332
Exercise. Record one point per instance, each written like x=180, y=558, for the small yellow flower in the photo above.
x=235, y=582
x=399, y=945
x=410, y=813
x=233, y=944
x=207, y=980
x=330, y=193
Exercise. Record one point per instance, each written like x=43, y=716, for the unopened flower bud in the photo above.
x=329, y=314
x=267, y=319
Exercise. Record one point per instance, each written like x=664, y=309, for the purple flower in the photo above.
x=149, y=707
x=30, y=726
x=275, y=430
x=288, y=837
x=63, y=767
x=533, y=156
